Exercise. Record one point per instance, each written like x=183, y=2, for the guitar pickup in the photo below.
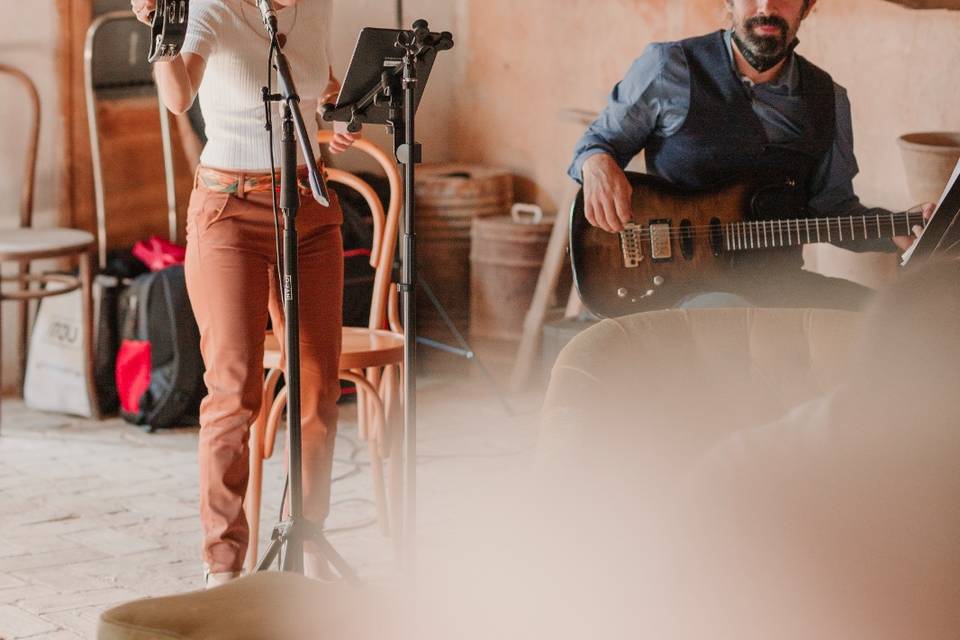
x=630, y=245
x=661, y=247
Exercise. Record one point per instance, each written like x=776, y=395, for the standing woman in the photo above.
x=231, y=256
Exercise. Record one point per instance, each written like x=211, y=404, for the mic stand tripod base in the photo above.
x=292, y=533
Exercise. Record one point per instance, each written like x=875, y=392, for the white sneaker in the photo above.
x=211, y=580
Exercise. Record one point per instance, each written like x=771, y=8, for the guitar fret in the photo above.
x=780, y=227
x=893, y=225
x=852, y=232
x=864, y=226
x=840, y=228
x=750, y=226
x=764, y=225
x=726, y=237
x=879, y=235
x=829, y=231
x=818, y=229
x=808, y=230
x=789, y=235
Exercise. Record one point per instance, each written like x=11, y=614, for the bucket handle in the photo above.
x=536, y=213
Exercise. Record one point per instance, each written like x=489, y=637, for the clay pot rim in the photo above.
x=947, y=142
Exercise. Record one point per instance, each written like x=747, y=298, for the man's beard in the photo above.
x=764, y=52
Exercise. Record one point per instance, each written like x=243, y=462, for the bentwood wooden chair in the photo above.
x=25, y=244
x=371, y=358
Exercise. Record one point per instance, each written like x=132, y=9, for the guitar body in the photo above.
x=169, y=29
x=679, y=247
x=682, y=242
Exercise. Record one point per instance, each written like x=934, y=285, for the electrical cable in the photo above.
x=273, y=170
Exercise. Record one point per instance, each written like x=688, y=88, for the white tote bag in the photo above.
x=56, y=379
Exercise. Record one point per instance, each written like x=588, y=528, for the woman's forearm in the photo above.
x=178, y=81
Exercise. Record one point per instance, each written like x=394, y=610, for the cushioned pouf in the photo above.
x=263, y=606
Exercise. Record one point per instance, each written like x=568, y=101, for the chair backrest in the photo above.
x=30, y=158
x=383, y=305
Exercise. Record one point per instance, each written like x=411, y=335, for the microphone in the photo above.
x=269, y=17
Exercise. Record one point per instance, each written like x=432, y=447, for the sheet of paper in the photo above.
x=953, y=178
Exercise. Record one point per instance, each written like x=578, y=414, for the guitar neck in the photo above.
x=766, y=234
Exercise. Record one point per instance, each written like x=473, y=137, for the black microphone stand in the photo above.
x=289, y=535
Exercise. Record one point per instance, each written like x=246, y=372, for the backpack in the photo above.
x=159, y=371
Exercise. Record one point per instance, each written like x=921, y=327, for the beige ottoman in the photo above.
x=263, y=606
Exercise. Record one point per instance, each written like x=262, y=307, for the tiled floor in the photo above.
x=97, y=513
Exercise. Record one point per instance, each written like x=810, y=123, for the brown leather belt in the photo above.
x=240, y=183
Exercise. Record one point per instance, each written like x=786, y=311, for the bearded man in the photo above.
x=732, y=105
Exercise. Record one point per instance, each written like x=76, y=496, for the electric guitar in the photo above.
x=168, y=30
x=680, y=242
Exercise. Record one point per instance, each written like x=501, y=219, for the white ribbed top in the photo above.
x=230, y=36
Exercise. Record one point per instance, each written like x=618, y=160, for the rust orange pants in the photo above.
x=232, y=283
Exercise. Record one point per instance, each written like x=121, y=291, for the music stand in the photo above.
x=941, y=235
x=383, y=85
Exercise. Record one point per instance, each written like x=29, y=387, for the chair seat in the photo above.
x=361, y=348
x=278, y=606
x=17, y=244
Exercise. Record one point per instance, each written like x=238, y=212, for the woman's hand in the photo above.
x=342, y=139
x=144, y=9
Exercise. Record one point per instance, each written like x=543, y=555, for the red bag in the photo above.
x=133, y=373
x=158, y=254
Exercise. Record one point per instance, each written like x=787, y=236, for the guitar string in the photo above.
x=841, y=224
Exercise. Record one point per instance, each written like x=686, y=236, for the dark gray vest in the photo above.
x=722, y=139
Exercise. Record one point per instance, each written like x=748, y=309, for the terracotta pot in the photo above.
x=929, y=159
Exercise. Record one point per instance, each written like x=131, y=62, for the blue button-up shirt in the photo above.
x=654, y=97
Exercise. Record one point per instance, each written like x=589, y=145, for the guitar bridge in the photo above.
x=630, y=245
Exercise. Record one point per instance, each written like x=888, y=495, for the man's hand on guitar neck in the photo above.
x=905, y=242
x=607, y=193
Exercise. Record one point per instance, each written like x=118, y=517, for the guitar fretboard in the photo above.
x=765, y=234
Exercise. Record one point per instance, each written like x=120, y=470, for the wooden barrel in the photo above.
x=505, y=260
x=449, y=198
